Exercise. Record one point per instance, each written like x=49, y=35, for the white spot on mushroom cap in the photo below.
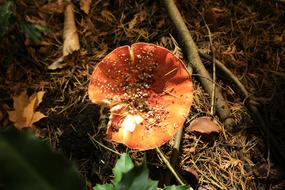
x=130, y=122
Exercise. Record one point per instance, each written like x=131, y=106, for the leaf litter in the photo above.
x=229, y=161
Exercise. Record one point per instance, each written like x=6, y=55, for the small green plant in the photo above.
x=9, y=20
x=5, y=13
x=27, y=163
x=130, y=177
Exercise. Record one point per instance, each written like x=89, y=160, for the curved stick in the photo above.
x=195, y=61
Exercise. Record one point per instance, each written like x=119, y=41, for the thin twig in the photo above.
x=212, y=111
x=174, y=155
x=169, y=166
x=178, y=136
x=230, y=75
x=93, y=140
x=193, y=56
x=272, y=142
x=214, y=69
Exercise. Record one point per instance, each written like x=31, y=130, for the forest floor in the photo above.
x=248, y=38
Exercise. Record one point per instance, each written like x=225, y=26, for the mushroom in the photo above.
x=148, y=91
x=203, y=125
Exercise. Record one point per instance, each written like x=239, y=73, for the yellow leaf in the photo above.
x=85, y=5
x=70, y=35
x=24, y=114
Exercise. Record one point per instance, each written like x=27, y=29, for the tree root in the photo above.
x=193, y=57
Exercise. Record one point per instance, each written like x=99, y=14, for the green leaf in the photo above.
x=130, y=177
x=137, y=178
x=152, y=185
x=31, y=31
x=123, y=165
x=103, y=187
x=180, y=187
x=41, y=28
x=5, y=13
x=27, y=163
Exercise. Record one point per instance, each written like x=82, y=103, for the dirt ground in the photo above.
x=248, y=38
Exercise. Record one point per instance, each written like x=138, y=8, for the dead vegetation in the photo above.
x=248, y=38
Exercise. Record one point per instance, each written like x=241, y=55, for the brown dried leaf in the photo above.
x=107, y=15
x=102, y=52
x=57, y=64
x=24, y=114
x=217, y=10
x=85, y=6
x=138, y=18
x=231, y=50
x=212, y=15
x=203, y=125
x=278, y=40
x=193, y=172
x=70, y=35
x=55, y=7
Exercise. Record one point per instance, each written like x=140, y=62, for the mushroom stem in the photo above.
x=169, y=166
x=194, y=58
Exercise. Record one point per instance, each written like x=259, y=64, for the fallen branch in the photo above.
x=193, y=57
x=221, y=105
x=230, y=75
x=272, y=142
x=195, y=61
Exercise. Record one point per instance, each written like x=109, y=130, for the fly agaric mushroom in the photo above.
x=148, y=91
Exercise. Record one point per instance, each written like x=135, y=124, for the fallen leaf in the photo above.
x=203, y=125
x=231, y=51
x=85, y=5
x=24, y=114
x=57, y=64
x=193, y=172
x=70, y=35
x=54, y=7
x=230, y=163
x=191, y=175
x=108, y=16
x=278, y=40
x=138, y=18
x=213, y=15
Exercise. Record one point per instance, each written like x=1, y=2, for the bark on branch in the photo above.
x=193, y=57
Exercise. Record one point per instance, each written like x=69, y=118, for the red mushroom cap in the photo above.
x=148, y=90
